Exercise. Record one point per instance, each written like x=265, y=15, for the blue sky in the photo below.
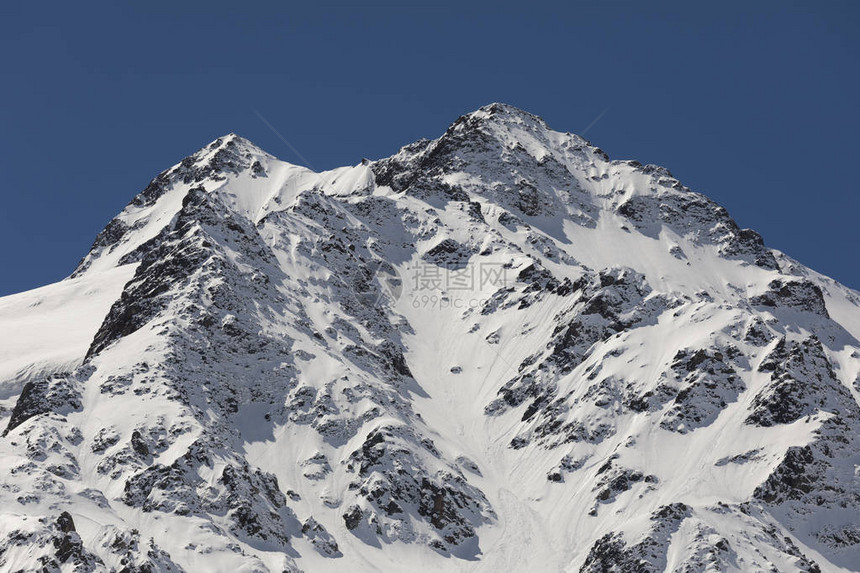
x=755, y=106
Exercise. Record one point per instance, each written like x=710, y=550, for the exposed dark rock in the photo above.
x=52, y=394
x=797, y=294
x=709, y=384
x=802, y=381
x=612, y=553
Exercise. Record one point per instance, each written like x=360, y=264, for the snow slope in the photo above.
x=48, y=330
x=498, y=349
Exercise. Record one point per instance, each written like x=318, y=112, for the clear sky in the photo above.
x=755, y=106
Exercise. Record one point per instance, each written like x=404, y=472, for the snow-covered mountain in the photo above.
x=497, y=350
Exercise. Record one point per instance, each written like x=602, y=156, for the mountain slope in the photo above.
x=496, y=349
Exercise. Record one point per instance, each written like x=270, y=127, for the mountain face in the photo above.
x=495, y=351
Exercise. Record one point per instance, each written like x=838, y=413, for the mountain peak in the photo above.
x=499, y=115
x=465, y=356
x=505, y=111
x=232, y=141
